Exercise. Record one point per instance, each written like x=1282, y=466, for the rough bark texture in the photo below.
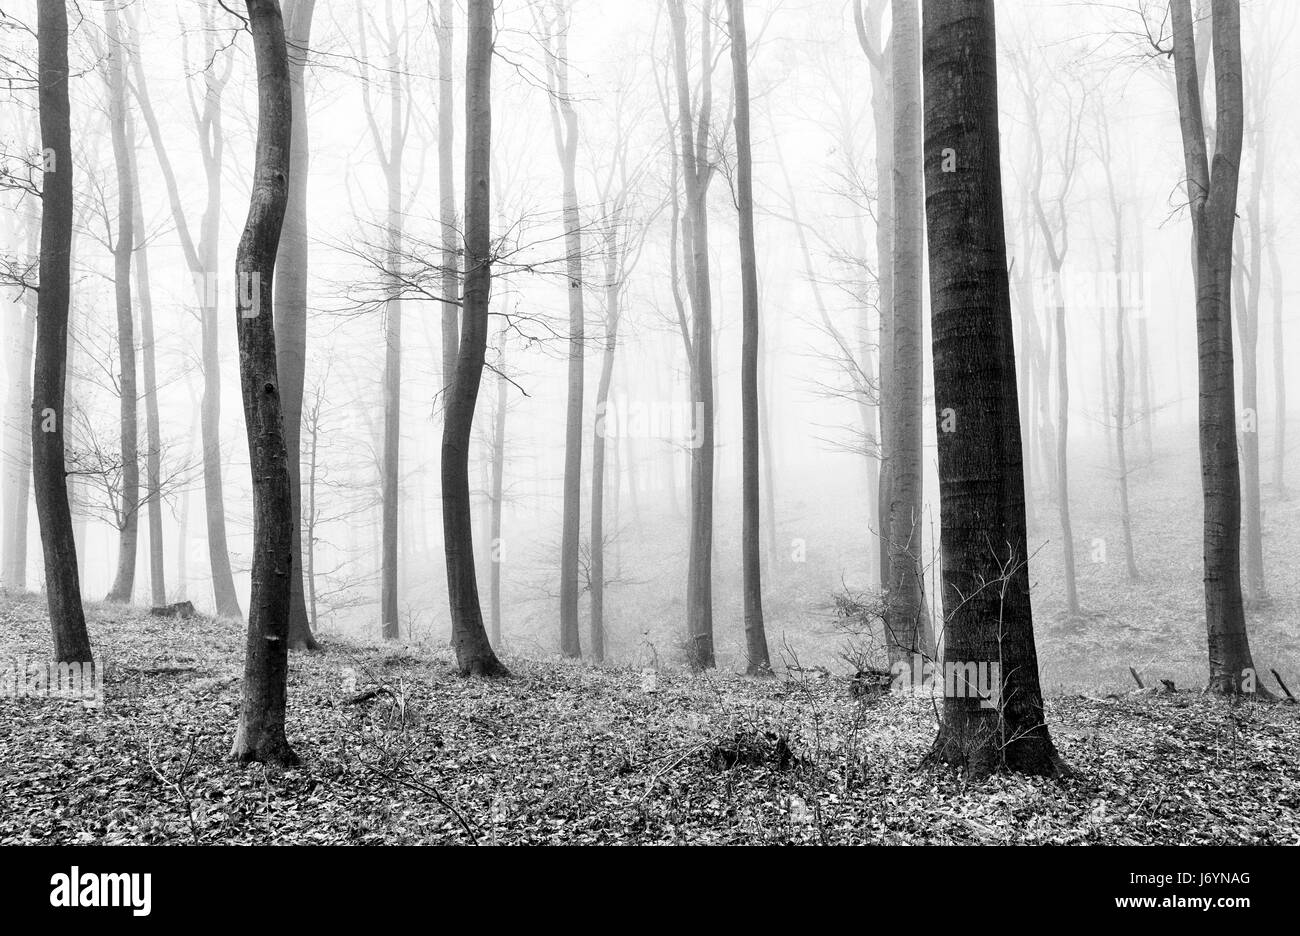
x=981, y=481
x=1212, y=197
x=128, y=510
x=757, y=662
x=260, y=735
x=474, y=655
x=49, y=473
x=291, y=267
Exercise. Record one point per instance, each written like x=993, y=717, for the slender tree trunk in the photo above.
x=309, y=518
x=981, y=479
x=1144, y=350
x=1253, y=584
x=129, y=402
x=18, y=438
x=564, y=120
x=1121, y=416
x=757, y=661
x=202, y=261
x=291, y=304
x=451, y=241
x=905, y=611
x=1212, y=197
x=695, y=174
x=474, y=655
x=49, y=472
x=498, y=491
x=613, y=289
x=1279, y=372
x=260, y=735
x=153, y=432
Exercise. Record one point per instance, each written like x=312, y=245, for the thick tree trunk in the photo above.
x=756, y=657
x=291, y=304
x=1213, y=198
x=49, y=474
x=981, y=480
x=474, y=655
x=905, y=621
x=260, y=735
x=128, y=512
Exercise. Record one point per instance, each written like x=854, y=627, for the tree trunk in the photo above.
x=1255, y=593
x=1212, y=197
x=202, y=262
x=18, y=437
x=474, y=655
x=981, y=479
x=129, y=403
x=498, y=492
x=49, y=472
x=291, y=304
x=153, y=436
x=1279, y=372
x=447, y=197
x=756, y=657
x=1121, y=376
x=696, y=171
x=260, y=735
x=613, y=288
x=905, y=622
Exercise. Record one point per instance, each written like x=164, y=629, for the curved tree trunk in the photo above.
x=260, y=735
x=49, y=472
x=474, y=655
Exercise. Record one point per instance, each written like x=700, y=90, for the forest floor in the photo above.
x=571, y=753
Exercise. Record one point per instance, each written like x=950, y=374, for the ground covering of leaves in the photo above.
x=569, y=753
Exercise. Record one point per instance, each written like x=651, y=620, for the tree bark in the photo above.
x=906, y=624
x=129, y=402
x=696, y=172
x=261, y=732
x=756, y=656
x=1212, y=197
x=49, y=472
x=291, y=304
x=981, y=479
x=474, y=655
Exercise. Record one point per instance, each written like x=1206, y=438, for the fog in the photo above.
x=1086, y=77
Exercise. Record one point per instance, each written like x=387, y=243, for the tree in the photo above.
x=390, y=159
x=202, y=261
x=291, y=305
x=260, y=735
x=867, y=22
x=981, y=477
x=906, y=618
x=49, y=423
x=564, y=126
x=122, y=246
x=1212, y=200
x=757, y=662
x=17, y=431
x=696, y=172
x=1056, y=238
x=474, y=655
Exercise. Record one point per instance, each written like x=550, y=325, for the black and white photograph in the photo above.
x=649, y=422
